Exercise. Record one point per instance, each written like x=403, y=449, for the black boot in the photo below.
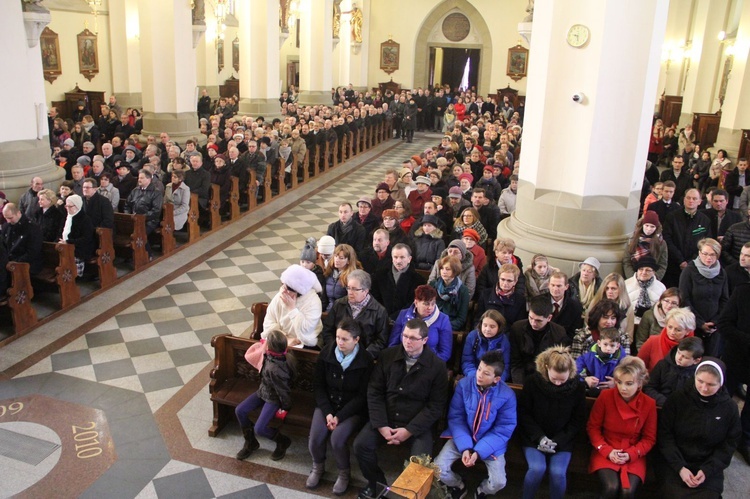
x=282, y=444
x=251, y=444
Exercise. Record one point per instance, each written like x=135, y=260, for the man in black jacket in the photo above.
x=406, y=396
x=97, y=207
x=22, y=238
x=667, y=203
x=146, y=200
x=199, y=180
x=682, y=231
x=346, y=230
x=394, y=287
x=679, y=175
x=529, y=337
x=721, y=218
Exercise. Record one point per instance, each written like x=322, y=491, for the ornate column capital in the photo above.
x=34, y=22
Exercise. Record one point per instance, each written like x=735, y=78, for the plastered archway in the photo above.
x=422, y=47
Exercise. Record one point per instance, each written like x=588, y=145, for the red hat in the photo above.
x=650, y=217
x=472, y=234
x=213, y=146
x=489, y=168
x=467, y=176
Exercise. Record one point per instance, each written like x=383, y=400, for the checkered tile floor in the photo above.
x=160, y=343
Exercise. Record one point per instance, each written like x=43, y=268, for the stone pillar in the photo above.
x=315, y=58
x=703, y=58
x=259, y=58
x=168, y=77
x=24, y=139
x=207, y=57
x=734, y=117
x=126, y=68
x=579, y=186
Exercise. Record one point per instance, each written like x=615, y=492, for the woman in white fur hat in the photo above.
x=296, y=308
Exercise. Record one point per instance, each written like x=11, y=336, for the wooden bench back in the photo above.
x=59, y=267
x=130, y=237
x=20, y=294
x=194, y=230
x=105, y=257
x=214, y=206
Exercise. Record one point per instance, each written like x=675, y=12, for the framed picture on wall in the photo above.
x=236, y=54
x=50, y=46
x=220, y=52
x=518, y=62
x=88, y=54
x=390, y=52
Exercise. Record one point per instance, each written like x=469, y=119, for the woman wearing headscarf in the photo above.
x=78, y=231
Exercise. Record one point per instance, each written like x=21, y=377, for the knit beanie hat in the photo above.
x=403, y=172
x=308, y=253
x=457, y=243
x=300, y=279
x=650, y=217
x=326, y=245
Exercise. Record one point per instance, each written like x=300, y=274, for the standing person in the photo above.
x=647, y=240
x=481, y=420
x=682, y=231
x=272, y=396
x=551, y=413
x=622, y=430
x=341, y=376
x=698, y=432
x=705, y=289
x=735, y=326
x=405, y=397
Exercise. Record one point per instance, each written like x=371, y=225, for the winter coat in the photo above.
x=476, y=345
x=552, y=411
x=51, y=222
x=301, y=323
x=23, y=240
x=682, y=233
x=82, y=236
x=147, y=202
x=583, y=339
x=616, y=424
x=180, y=198
x=513, y=308
x=480, y=258
x=276, y=381
x=99, y=210
x=396, y=296
x=456, y=312
x=429, y=248
x=633, y=288
x=439, y=336
x=705, y=297
x=467, y=275
x=699, y=435
x=591, y=364
x=570, y=315
x=488, y=276
x=373, y=318
x=342, y=393
x=482, y=420
x=413, y=399
x=524, y=348
x=355, y=238
x=667, y=377
x=332, y=291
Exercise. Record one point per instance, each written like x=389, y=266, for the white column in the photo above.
x=583, y=162
x=315, y=59
x=354, y=57
x=207, y=56
x=124, y=32
x=168, y=76
x=24, y=139
x=735, y=117
x=259, y=58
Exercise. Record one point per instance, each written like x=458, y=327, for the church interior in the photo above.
x=132, y=363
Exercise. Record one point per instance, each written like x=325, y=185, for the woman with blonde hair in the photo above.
x=622, y=431
x=551, y=413
x=342, y=263
x=49, y=218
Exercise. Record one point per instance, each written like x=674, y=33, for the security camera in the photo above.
x=578, y=97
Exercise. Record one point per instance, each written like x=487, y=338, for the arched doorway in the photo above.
x=453, y=24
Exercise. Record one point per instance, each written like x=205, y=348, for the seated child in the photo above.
x=490, y=335
x=485, y=438
x=596, y=366
x=273, y=398
x=537, y=276
x=674, y=370
x=308, y=259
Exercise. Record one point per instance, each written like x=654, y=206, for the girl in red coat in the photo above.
x=622, y=429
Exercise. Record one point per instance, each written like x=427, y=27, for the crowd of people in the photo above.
x=419, y=258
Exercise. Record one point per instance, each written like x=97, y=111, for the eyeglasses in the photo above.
x=350, y=288
x=412, y=338
x=708, y=255
x=674, y=303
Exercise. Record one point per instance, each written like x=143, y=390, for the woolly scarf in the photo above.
x=660, y=316
x=449, y=293
x=642, y=249
x=358, y=307
x=346, y=360
x=665, y=344
x=586, y=293
x=644, y=301
x=411, y=313
x=69, y=225
x=705, y=271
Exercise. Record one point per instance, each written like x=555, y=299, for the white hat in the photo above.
x=590, y=261
x=326, y=245
x=300, y=279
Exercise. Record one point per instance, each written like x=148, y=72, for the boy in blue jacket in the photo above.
x=597, y=366
x=481, y=420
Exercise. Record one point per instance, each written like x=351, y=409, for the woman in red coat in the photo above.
x=622, y=429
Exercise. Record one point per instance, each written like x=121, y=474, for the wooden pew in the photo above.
x=326, y=155
x=130, y=237
x=164, y=234
x=105, y=258
x=349, y=145
x=280, y=174
x=193, y=228
x=293, y=174
x=214, y=207
x=20, y=294
x=59, y=268
x=252, y=191
x=305, y=169
x=267, y=183
x=234, y=199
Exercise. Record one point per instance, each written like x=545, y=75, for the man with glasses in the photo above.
x=406, y=396
x=358, y=304
x=97, y=207
x=529, y=337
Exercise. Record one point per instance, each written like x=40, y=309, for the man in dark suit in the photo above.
x=667, y=203
x=721, y=218
x=394, y=287
x=22, y=238
x=97, y=207
x=566, y=309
